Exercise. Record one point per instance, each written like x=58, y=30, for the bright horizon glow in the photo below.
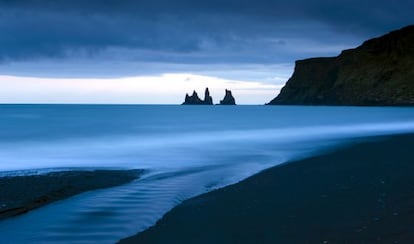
x=169, y=88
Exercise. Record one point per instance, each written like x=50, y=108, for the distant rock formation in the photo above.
x=192, y=100
x=379, y=72
x=228, y=99
x=208, y=100
x=195, y=100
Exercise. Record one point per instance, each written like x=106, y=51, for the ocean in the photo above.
x=186, y=151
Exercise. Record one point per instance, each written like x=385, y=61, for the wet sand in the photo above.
x=20, y=194
x=363, y=193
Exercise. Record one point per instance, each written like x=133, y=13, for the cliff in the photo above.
x=195, y=100
x=379, y=72
x=228, y=99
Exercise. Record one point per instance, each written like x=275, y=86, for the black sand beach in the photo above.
x=363, y=193
x=20, y=194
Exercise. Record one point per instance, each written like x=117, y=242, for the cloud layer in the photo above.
x=190, y=31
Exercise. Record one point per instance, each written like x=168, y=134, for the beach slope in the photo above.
x=363, y=193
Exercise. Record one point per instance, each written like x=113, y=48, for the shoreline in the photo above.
x=21, y=194
x=361, y=193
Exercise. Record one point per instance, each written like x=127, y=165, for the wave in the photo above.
x=176, y=150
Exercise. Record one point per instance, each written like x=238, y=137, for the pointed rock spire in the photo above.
x=208, y=100
x=193, y=99
x=228, y=99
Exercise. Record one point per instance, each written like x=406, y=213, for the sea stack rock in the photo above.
x=208, y=100
x=380, y=72
x=228, y=99
x=195, y=100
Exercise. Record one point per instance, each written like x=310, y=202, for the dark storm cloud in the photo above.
x=187, y=31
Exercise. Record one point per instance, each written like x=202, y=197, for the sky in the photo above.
x=155, y=51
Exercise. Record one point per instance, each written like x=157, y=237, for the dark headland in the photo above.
x=20, y=194
x=363, y=193
x=379, y=72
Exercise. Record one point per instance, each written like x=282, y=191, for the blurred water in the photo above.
x=187, y=149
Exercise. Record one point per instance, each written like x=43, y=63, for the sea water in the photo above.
x=187, y=151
